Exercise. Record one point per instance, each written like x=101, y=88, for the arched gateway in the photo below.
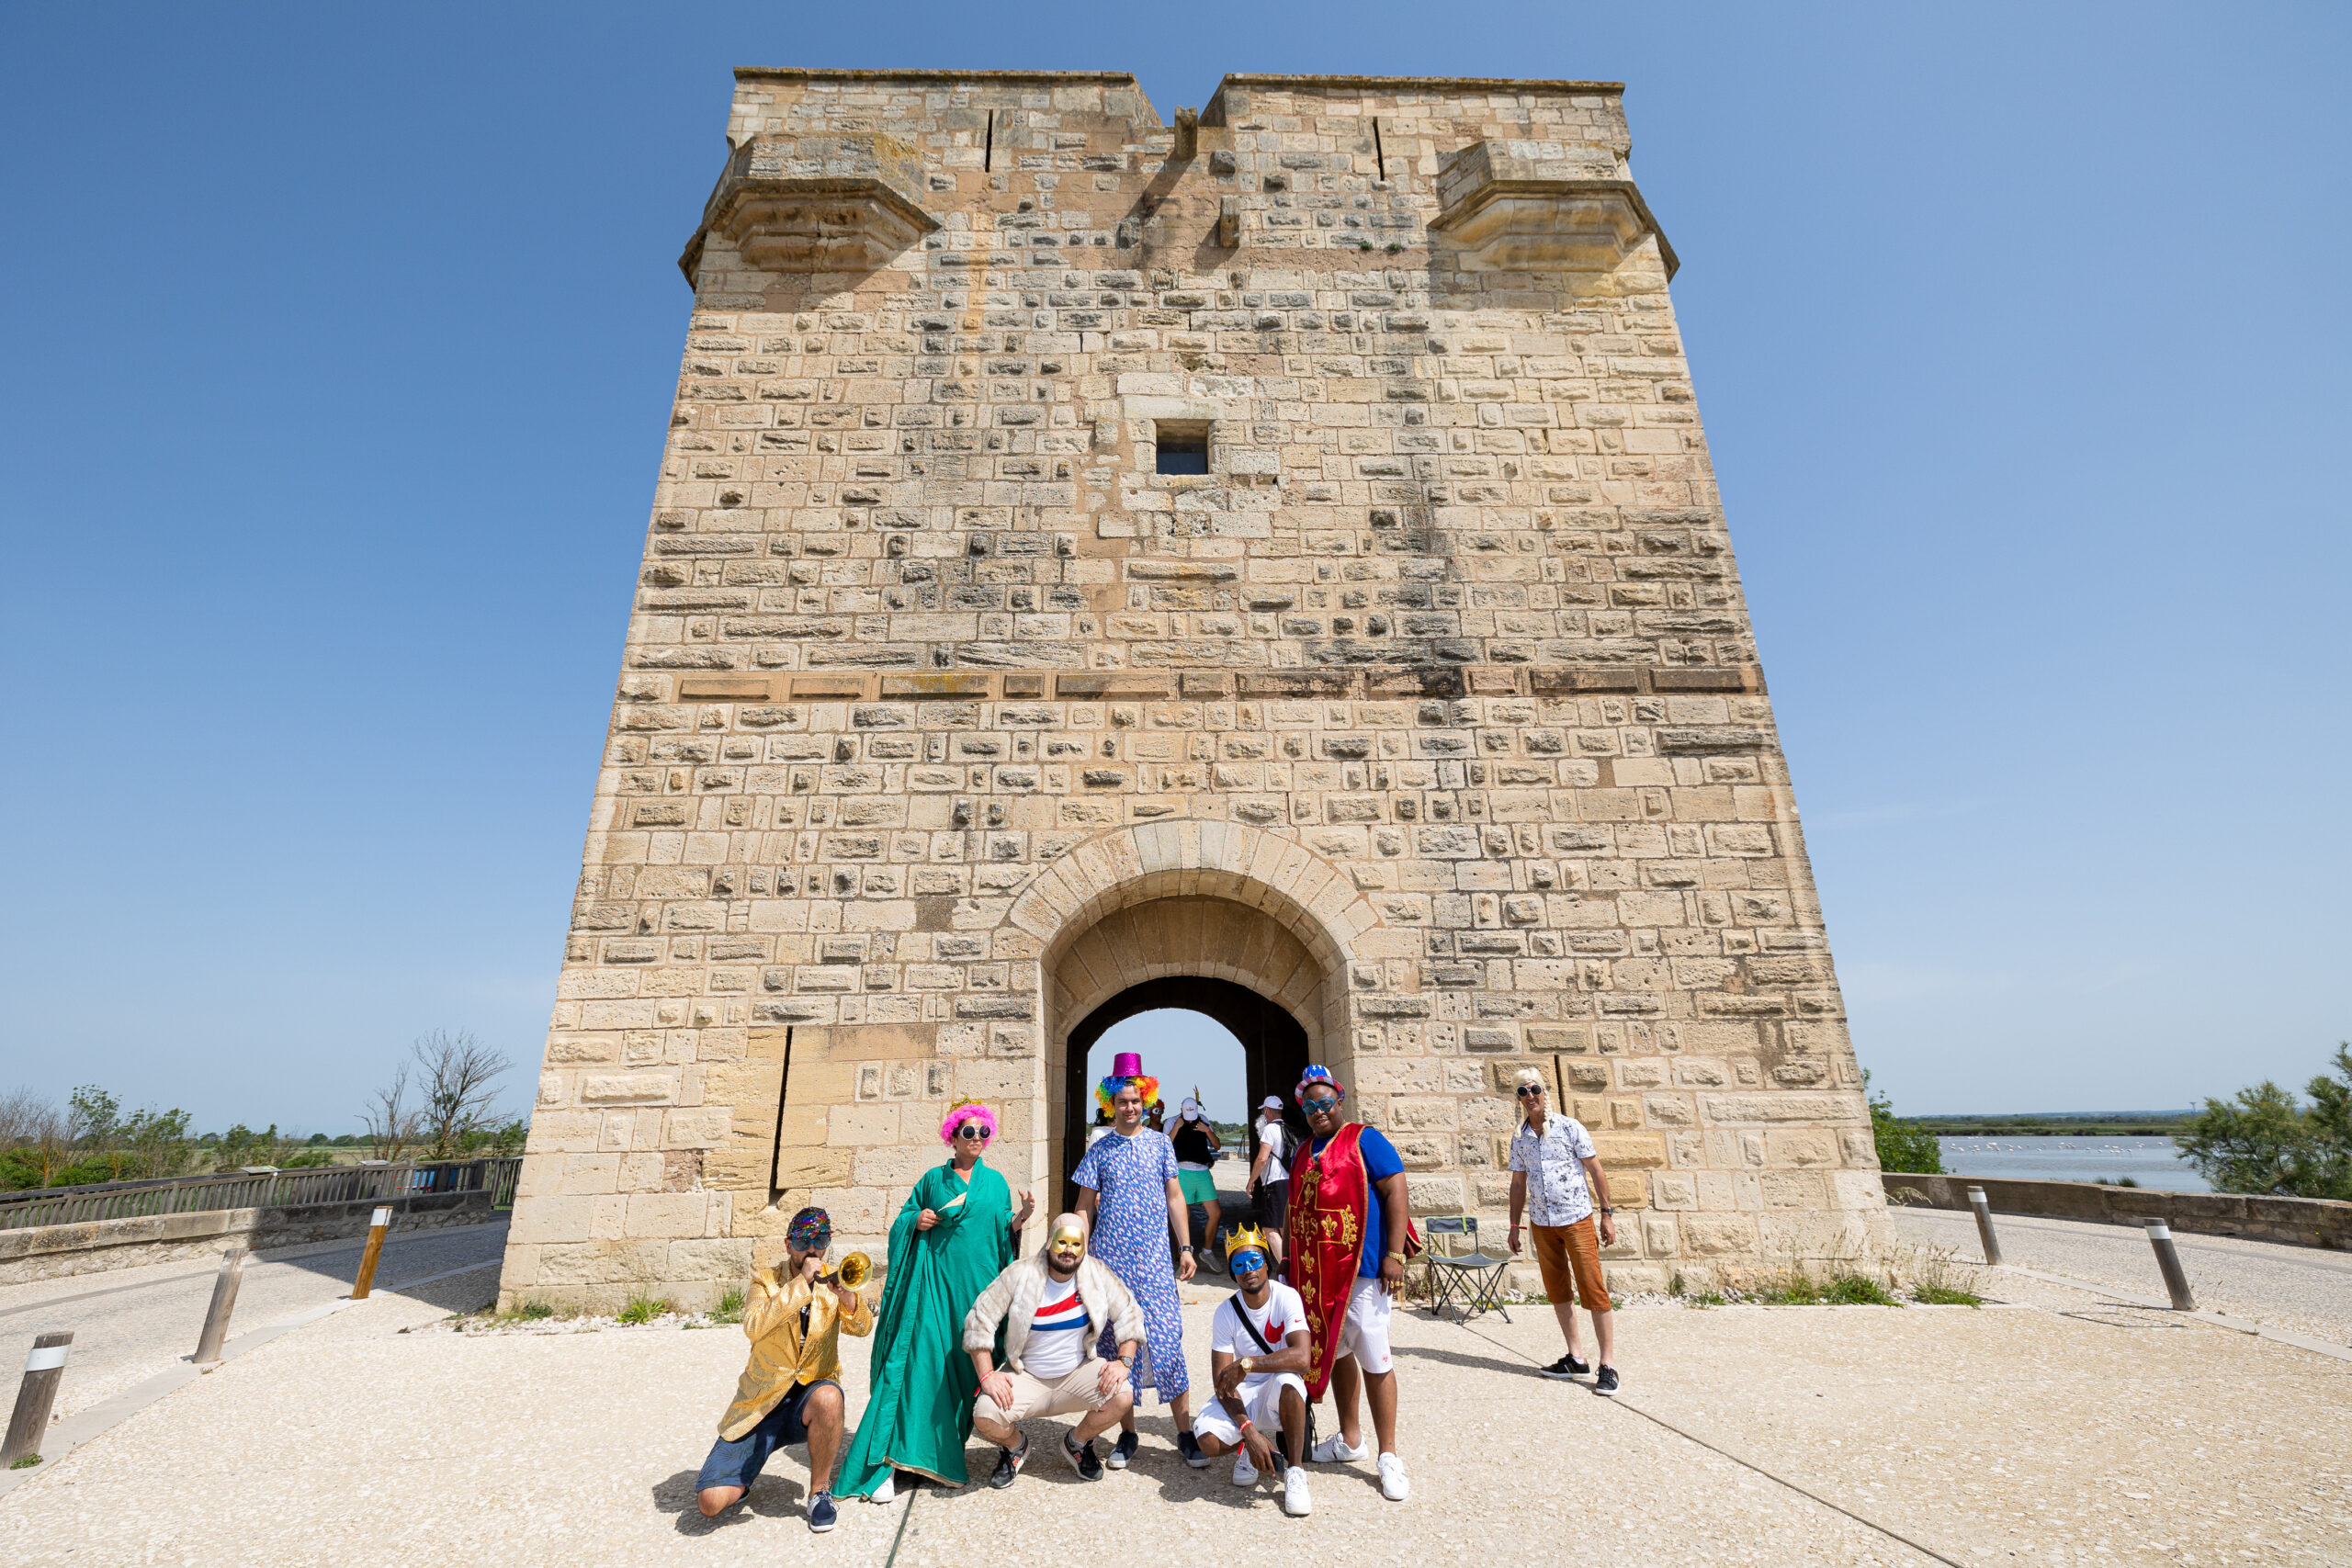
x=1269, y=565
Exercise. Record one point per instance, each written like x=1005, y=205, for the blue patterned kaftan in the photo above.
x=1130, y=1178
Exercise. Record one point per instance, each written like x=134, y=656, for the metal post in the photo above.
x=366, y=1281
x=1977, y=1201
x=44, y=1370
x=224, y=1301
x=2168, y=1261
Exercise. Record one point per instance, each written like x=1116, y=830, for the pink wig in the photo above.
x=965, y=1110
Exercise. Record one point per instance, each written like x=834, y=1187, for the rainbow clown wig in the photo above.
x=1319, y=1077
x=965, y=1110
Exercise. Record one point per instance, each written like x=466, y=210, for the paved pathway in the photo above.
x=2308, y=1289
x=2001, y=1436
x=129, y=1324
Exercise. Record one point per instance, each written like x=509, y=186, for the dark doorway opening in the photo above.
x=1273, y=1046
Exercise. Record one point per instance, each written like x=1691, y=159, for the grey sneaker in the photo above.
x=1121, y=1452
x=1008, y=1465
x=822, y=1514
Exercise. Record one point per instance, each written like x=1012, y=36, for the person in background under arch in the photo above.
x=1270, y=1173
x=1197, y=1146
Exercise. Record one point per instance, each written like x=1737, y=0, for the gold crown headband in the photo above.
x=1247, y=1236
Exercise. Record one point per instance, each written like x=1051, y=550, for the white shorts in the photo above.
x=1364, y=1334
x=1264, y=1403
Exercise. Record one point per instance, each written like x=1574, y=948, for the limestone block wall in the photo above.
x=1430, y=711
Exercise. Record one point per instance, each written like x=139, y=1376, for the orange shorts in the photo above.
x=1570, y=1258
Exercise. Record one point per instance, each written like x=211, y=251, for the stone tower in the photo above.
x=1269, y=564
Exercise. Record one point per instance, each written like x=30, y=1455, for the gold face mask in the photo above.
x=1068, y=1236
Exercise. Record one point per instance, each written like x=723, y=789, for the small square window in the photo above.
x=1182, y=446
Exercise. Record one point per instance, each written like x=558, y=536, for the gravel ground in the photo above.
x=2307, y=1290
x=131, y=1323
x=2007, y=1435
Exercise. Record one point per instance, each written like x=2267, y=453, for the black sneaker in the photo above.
x=1122, y=1452
x=1565, y=1367
x=1187, y=1445
x=1008, y=1465
x=1082, y=1458
x=1607, y=1381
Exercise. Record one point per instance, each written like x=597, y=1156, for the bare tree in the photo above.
x=390, y=1119
x=457, y=1084
x=50, y=1139
x=21, y=1112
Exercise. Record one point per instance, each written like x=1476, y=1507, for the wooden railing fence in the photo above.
x=273, y=1190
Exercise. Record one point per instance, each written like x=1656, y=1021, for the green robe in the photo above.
x=919, y=1407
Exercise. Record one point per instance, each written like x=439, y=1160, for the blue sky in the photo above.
x=338, y=345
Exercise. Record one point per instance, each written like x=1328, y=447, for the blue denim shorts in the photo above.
x=738, y=1462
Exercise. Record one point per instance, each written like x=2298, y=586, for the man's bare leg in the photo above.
x=1381, y=1389
x=1114, y=1412
x=1293, y=1426
x=1004, y=1434
x=822, y=1415
x=1566, y=1312
x=1604, y=1334
x=1345, y=1377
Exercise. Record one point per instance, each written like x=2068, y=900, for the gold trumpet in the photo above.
x=854, y=1271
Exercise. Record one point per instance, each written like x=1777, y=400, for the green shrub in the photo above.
x=729, y=1308
x=1945, y=1296
x=1902, y=1146
x=1795, y=1288
x=645, y=1309
x=26, y=1463
x=2267, y=1141
x=1857, y=1289
x=1936, y=1281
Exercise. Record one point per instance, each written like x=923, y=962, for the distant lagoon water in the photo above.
x=2151, y=1162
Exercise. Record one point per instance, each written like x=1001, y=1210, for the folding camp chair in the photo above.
x=1471, y=1281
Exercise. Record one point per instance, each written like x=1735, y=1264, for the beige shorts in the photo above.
x=1080, y=1389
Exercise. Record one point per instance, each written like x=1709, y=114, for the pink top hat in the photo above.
x=1127, y=1064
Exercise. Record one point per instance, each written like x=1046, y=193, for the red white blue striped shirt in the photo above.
x=1057, y=1334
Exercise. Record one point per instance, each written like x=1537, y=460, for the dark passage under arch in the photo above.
x=1273, y=1044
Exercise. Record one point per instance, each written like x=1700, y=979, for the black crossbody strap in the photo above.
x=1248, y=1327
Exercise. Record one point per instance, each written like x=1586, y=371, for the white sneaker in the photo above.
x=1393, y=1484
x=1244, y=1472
x=887, y=1490
x=1295, y=1499
x=1334, y=1450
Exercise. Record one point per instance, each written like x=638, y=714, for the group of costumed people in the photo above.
x=972, y=1337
